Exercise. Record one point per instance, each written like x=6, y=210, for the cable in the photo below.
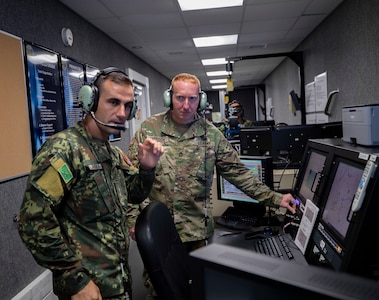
x=202, y=114
x=284, y=169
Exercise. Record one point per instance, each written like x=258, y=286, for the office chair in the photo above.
x=163, y=253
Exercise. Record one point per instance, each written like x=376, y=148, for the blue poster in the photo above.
x=44, y=93
x=73, y=79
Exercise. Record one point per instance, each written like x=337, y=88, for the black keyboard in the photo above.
x=237, y=219
x=270, y=246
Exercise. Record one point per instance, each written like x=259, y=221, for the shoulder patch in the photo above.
x=128, y=161
x=61, y=168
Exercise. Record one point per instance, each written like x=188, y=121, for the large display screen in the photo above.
x=259, y=166
x=343, y=188
x=314, y=166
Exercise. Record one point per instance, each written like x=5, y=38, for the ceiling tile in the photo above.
x=161, y=34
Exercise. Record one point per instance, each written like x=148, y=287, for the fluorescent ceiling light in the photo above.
x=219, y=87
x=207, y=4
x=218, y=40
x=214, y=81
x=214, y=61
x=217, y=73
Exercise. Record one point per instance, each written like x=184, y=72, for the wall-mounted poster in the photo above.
x=73, y=79
x=46, y=107
x=91, y=73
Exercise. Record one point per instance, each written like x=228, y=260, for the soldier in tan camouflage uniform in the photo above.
x=73, y=216
x=184, y=174
x=235, y=109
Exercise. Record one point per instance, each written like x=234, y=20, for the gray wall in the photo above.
x=345, y=45
x=278, y=86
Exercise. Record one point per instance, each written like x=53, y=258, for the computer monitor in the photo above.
x=343, y=238
x=334, y=218
x=264, y=123
x=289, y=142
x=261, y=168
x=339, y=199
x=331, y=130
x=225, y=272
x=256, y=140
x=311, y=176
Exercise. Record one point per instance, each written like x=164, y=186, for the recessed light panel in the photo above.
x=217, y=73
x=207, y=4
x=216, y=81
x=213, y=61
x=218, y=40
x=219, y=87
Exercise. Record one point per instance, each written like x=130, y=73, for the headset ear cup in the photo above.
x=95, y=98
x=203, y=100
x=168, y=94
x=89, y=94
x=133, y=110
x=88, y=98
x=167, y=98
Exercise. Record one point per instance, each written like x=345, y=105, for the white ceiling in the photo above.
x=161, y=34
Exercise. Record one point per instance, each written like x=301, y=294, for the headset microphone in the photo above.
x=115, y=126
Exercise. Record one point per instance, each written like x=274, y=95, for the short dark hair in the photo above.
x=116, y=76
x=235, y=102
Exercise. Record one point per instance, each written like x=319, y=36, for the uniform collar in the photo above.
x=197, y=128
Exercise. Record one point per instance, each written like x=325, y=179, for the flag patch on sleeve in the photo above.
x=61, y=168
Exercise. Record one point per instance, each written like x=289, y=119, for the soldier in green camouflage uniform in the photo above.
x=73, y=216
x=184, y=174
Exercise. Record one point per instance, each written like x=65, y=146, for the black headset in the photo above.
x=167, y=99
x=89, y=94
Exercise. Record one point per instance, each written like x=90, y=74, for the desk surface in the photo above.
x=236, y=238
x=225, y=272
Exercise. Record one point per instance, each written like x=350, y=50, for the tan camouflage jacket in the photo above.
x=185, y=171
x=73, y=215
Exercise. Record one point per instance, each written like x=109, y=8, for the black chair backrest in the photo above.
x=163, y=253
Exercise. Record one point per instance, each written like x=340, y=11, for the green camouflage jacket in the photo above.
x=185, y=171
x=73, y=215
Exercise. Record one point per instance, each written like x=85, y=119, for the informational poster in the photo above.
x=91, y=73
x=73, y=79
x=316, y=97
x=310, y=98
x=321, y=91
x=311, y=118
x=44, y=93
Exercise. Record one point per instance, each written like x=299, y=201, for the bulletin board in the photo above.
x=15, y=145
